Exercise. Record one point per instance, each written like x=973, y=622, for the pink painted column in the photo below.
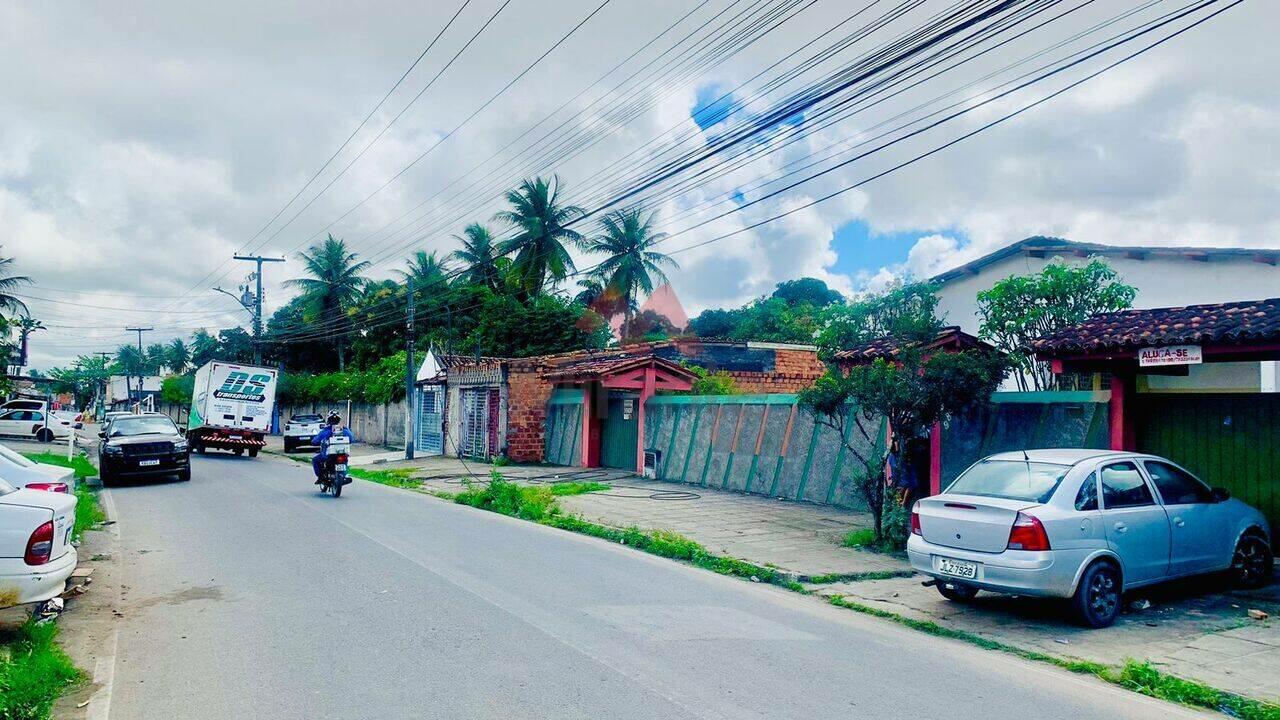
x=935, y=459
x=650, y=380
x=1119, y=423
x=587, y=421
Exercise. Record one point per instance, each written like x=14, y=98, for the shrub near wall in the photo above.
x=383, y=383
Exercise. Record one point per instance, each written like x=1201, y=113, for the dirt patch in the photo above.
x=178, y=597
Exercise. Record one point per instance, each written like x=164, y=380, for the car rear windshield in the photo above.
x=306, y=418
x=124, y=427
x=1011, y=479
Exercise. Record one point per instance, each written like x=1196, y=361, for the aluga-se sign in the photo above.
x=1170, y=355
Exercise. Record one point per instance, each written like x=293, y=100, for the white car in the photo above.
x=36, y=554
x=37, y=424
x=23, y=472
x=300, y=429
x=22, y=404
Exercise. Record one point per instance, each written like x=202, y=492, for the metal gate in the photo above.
x=474, y=440
x=430, y=436
x=1229, y=440
x=621, y=432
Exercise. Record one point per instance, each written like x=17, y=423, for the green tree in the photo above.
x=235, y=345
x=911, y=392
x=807, y=291
x=84, y=378
x=333, y=286
x=1021, y=308
x=157, y=354
x=426, y=270
x=631, y=265
x=540, y=220
x=10, y=283
x=545, y=324
x=479, y=256
x=204, y=347
x=177, y=356
x=132, y=363
x=715, y=323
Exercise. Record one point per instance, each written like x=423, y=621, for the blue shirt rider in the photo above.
x=333, y=426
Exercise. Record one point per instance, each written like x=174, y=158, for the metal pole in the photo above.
x=139, y=330
x=256, y=311
x=410, y=415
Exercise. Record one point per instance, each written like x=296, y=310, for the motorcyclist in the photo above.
x=333, y=427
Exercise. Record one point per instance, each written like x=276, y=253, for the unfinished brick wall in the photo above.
x=526, y=413
x=794, y=370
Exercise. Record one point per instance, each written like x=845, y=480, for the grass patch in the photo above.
x=860, y=538
x=577, y=488
x=35, y=673
x=400, y=477
x=80, y=464
x=855, y=577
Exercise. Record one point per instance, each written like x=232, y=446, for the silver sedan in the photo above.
x=1083, y=524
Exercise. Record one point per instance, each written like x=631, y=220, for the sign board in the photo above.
x=1170, y=355
x=628, y=407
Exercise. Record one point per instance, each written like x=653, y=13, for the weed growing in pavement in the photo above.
x=36, y=672
x=577, y=488
x=855, y=577
x=532, y=502
x=400, y=477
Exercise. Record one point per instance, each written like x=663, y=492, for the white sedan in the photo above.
x=23, y=472
x=36, y=424
x=36, y=554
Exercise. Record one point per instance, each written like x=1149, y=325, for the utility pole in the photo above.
x=140, y=330
x=102, y=385
x=256, y=311
x=410, y=414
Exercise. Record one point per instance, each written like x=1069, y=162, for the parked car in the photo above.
x=23, y=472
x=24, y=404
x=1083, y=524
x=37, y=424
x=75, y=418
x=36, y=554
x=300, y=429
x=142, y=446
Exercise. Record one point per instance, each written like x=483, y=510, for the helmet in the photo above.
x=334, y=418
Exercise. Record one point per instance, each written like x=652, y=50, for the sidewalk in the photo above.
x=361, y=453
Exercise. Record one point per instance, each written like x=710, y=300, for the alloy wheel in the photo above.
x=1250, y=561
x=1103, y=598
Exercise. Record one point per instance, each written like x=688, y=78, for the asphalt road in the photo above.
x=249, y=595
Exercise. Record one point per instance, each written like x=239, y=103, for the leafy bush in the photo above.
x=382, y=383
x=711, y=383
x=500, y=495
x=176, y=389
x=36, y=673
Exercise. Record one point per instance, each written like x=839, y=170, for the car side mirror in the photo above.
x=1221, y=494
x=102, y=434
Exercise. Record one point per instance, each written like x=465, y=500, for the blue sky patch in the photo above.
x=858, y=249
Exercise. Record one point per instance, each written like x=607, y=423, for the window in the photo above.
x=1176, y=486
x=1123, y=486
x=37, y=417
x=12, y=415
x=1087, y=498
x=143, y=425
x=1011, y=479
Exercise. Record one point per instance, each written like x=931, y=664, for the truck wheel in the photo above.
x=253, y=452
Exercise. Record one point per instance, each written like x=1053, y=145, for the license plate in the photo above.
x=236, y=437
x=342, y=467
x=958, y=568
x=148, y=463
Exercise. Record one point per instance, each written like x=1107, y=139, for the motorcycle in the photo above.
x=334, y=475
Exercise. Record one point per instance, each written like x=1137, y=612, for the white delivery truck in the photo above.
x=231, y=407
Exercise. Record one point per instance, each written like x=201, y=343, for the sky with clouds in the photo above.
x=143, y=143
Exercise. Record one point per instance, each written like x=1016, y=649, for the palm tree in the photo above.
x=479, y=255
x=157, y=354
x=177, y=356
x=632, y=266
x=204, y=347
x=9, y=283
x=26, y=325
x=426, y=270
x=540, y=219
x=334, y=286
x=132, y=363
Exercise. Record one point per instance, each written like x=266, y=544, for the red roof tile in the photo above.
x=948, y=338
x=1224, y=323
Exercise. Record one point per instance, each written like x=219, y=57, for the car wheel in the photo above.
x=956, y=592
x=1251, y=564
x=288, y=446
x=184, y=475
x=44, y=435
x=1097, y=598
x=106, y=478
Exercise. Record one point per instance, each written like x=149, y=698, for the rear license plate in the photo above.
x=148, y=463
x=236, y=437
x=341, y=467
x=958, y=568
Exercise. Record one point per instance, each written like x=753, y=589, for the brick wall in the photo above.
x=526, y=413
x=794, y=370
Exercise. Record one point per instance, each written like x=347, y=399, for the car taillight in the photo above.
x=51, y=487
x=1028, y=533
x=40, y=546
x=915, y=523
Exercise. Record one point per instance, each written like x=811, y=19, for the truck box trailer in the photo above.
x=231, y=407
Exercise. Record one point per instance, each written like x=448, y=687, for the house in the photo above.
x=586, y=407
x=1163, y=276
x=119, y=389
x=1229, y=439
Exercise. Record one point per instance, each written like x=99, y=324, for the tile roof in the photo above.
x=948, y=338
x=602, y=367
x=1223, y=323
